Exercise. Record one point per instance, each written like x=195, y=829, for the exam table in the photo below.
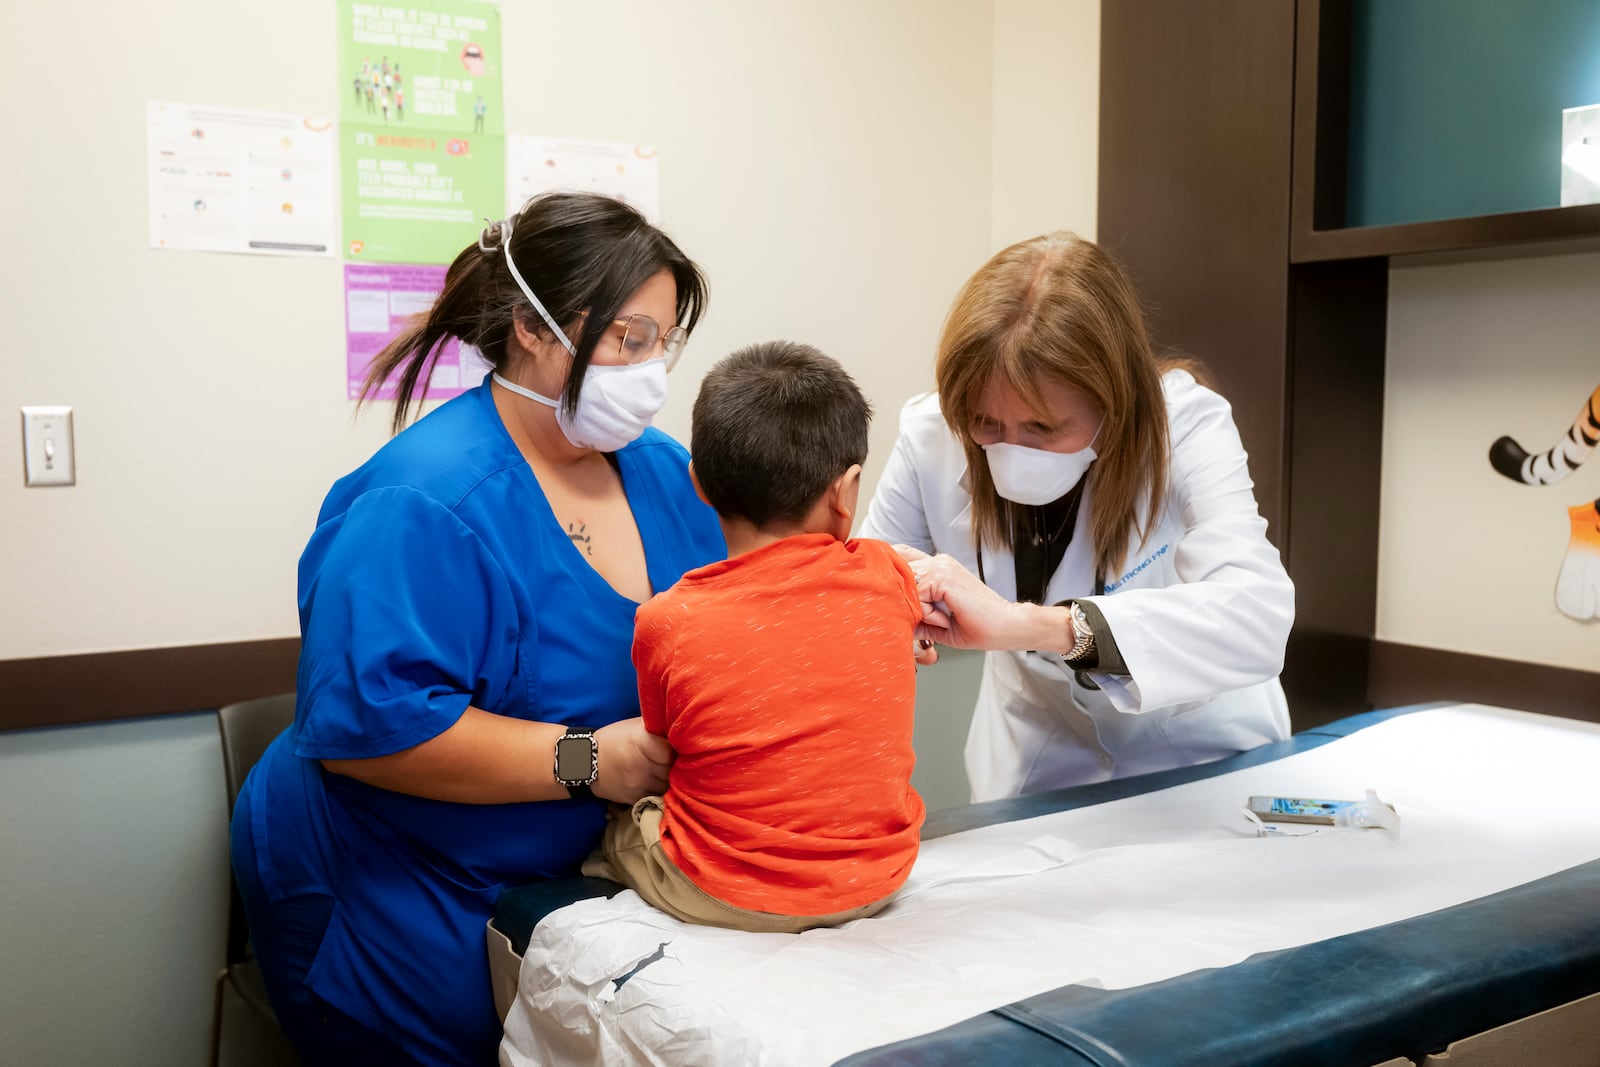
x=1494, y=958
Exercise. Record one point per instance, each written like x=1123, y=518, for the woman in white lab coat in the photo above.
x=1082, y=510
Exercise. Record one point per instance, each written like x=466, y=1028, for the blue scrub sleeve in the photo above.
x=406, y=619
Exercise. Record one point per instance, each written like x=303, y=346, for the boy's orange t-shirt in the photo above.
x=784, y=680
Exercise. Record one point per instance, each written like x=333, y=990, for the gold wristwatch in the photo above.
x=1083, y=636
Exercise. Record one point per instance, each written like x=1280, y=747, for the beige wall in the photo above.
x=1046, y=117
x=838, y=167
x=1468, y=559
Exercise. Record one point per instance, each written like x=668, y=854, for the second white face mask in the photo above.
x=615, y=405
x=1033, y=476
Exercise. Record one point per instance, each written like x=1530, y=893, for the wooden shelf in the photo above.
x=1319, y=183
x=1484, y=232
x=1223, y=148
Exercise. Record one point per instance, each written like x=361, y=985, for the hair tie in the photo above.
x=501, y=231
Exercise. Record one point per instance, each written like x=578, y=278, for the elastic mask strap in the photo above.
x=527, y=291
x=529, y=393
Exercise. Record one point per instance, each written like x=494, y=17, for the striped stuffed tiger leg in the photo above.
x=1578, y=585
x=1547, y=468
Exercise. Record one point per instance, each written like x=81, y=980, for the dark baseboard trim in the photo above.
x=103, y=686
x=1409, y=674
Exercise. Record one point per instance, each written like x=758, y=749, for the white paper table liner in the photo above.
x=1116, y=895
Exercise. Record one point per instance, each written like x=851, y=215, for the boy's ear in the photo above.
x=694, y=480
x=844, y=492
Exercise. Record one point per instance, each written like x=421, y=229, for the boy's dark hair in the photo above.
x=773, y=425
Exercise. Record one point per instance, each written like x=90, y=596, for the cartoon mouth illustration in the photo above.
x=472, y=59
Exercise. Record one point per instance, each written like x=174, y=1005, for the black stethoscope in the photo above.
x=1099, y=580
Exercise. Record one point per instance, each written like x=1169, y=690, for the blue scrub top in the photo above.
x=438, y=577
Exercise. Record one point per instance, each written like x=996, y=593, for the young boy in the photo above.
x=782, y=676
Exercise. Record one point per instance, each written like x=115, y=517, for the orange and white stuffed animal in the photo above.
x=1578, y=584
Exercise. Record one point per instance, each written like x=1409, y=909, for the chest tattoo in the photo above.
x=579, y=532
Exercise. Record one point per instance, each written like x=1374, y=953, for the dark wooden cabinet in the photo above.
x=1223, y=141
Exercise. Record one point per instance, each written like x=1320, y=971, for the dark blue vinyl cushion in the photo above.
x=1406, y=989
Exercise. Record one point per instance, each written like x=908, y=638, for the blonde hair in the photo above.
x=1059, y=308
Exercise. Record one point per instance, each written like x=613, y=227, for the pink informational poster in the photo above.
x=379, y=299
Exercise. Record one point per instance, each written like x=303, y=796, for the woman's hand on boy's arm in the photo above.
x=922, y=644
x=633, y=762
x=959, y=610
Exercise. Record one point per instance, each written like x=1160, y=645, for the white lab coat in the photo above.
x=1200, y=612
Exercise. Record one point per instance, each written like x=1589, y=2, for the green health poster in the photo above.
x=421, y=134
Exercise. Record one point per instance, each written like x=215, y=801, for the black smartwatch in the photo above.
x=577, y=761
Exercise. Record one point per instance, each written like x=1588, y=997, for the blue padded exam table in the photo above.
x=1399, y=991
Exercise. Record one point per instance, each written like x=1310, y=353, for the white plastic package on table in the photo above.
x=1115, y=895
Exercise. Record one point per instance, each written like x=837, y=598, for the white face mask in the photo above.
x=1026, y=475
x=615, y=404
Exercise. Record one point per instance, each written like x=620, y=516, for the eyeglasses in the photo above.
x=640, y=334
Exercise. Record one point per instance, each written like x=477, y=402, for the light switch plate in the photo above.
x=47, y=452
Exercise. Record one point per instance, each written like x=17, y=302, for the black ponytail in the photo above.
x=411, y=356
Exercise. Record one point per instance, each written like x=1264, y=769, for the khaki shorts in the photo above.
x=631, y=853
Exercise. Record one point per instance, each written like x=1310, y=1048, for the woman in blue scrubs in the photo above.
x=466, y=608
